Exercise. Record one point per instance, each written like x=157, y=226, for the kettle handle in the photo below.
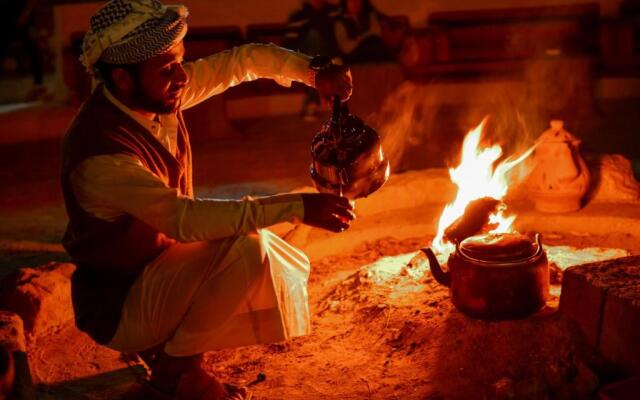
x=443, y=278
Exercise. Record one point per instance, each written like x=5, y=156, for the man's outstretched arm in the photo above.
x=109, y=187
x=215, y=74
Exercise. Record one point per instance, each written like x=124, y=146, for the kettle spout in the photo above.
x=443, y=278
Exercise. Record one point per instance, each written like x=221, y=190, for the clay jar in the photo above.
x=560, y=177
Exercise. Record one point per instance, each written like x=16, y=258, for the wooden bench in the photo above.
x=620, y=42
x=268, y=33
x=484, y=42
x=264, y=33
x=203, y=41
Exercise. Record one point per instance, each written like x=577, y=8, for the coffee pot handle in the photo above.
x=443, y=278
x=338, y=109
x=335, y=110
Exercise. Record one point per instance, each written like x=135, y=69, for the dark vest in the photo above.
x=110, y=255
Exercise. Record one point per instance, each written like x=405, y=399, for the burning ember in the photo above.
x=481, y=188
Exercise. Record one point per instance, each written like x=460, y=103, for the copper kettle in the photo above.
x=495, y=276
x=347, y=157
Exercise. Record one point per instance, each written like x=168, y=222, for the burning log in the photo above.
x=482, y=182
x=475, y=218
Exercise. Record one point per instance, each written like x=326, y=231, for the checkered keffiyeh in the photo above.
x=131, y=31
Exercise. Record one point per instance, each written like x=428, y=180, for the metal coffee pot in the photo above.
x=347, y=157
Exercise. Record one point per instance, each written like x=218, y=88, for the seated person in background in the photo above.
x=358, y=33
x=17, y=23
x=310, y=30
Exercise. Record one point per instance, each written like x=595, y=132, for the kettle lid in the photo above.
x=499, y=247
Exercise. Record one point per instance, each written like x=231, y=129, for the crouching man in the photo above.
x=160, y=272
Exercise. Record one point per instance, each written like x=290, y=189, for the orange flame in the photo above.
x=476, y=177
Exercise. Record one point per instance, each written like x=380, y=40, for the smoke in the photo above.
x=419, y=129
x=422, y=124
x=405, y=121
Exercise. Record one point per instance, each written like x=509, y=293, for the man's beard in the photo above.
x=158, y=106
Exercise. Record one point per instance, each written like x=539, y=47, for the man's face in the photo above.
x=160, y=80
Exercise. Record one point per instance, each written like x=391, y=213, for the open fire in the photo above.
x=479, y=177
x=483, y=179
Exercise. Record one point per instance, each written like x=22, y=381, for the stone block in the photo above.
x=582, y=302
x=11, y=331
x=604, y=299
x=620, y=336
x=40, y=296
x=15, y=375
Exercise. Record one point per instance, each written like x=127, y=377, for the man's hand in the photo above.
x=334, y=80
x=327, y=211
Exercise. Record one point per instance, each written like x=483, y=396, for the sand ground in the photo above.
x=373, y=338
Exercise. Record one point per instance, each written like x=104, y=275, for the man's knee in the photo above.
x=257, y=248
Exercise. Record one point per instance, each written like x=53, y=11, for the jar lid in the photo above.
x=498, y=247
x=556, y=134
